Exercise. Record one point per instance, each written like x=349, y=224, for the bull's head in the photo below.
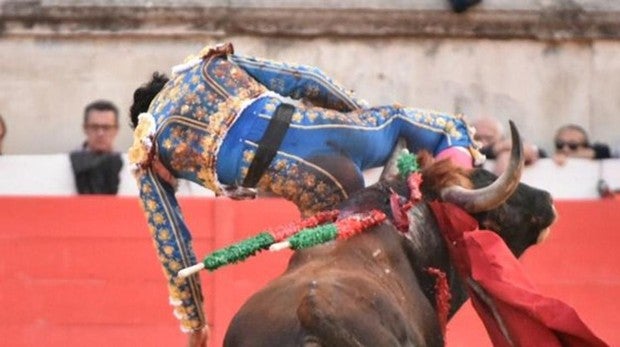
x=520, y=214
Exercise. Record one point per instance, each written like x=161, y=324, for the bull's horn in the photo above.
x=490, y=197
x=390, y=170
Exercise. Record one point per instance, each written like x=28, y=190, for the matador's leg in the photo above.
x=314, y=184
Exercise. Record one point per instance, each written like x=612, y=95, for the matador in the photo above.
x=235, y=123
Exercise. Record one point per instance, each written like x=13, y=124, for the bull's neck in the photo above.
x=428, y=250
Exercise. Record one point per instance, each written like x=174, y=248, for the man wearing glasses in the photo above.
x=96, y=165
x=571, y=141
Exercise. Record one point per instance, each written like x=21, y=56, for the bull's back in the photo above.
x=352, y=299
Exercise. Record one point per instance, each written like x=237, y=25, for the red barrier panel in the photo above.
x=82, y=270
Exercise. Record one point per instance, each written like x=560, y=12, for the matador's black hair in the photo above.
x=143, y=96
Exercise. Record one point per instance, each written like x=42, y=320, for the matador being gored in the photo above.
x=234, y=123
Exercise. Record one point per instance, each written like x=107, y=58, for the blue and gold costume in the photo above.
x=205, y=124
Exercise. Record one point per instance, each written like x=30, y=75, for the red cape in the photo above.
x=511, y=308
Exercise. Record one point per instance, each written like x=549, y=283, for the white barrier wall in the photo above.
x=52, y=175
x=577, y=179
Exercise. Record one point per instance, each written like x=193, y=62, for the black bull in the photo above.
x=373, y=290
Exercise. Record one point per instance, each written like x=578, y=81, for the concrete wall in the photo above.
x=542, y=66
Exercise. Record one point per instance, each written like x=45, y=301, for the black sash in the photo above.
x=269, y=144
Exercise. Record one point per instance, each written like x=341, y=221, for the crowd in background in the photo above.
x=570, y=141
x=97, y=162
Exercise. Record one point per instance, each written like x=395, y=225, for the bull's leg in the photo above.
x=337, y=315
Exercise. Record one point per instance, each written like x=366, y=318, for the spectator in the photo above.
x=495, y=145
x=2, y=132
x=571, y=141
x=96, y=165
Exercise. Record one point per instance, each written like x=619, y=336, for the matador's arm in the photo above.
x=172, y=242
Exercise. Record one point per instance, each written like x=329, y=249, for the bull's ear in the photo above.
x=390, y=170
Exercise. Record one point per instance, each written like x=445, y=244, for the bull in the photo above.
x=372, y=289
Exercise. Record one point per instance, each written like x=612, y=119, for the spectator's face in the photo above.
x=487, y=132
x=101, y=130
x=569, y=141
